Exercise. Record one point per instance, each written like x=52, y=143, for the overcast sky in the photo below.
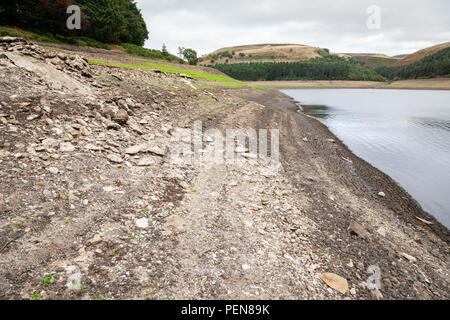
x=341, y=26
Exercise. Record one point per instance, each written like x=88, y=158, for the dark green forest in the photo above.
x=108, y=21
x=434, y=65
x=330, y=67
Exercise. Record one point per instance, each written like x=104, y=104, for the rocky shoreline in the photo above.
x=91, y=207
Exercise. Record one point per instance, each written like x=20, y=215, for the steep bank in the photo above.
x=92, y=207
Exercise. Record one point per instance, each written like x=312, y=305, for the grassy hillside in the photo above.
x=433, y=65
x=416, y=56
x=261, y=53
x=372, y=62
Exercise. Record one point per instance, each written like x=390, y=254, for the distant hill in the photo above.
x=400, y=56
x=374, y=55
x=416, y=56
x=432, y=65
x=374, y=61
x=262, y=53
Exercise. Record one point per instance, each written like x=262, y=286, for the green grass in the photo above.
x=215, y=80
x=150, y=53
x=37, y=296
x=48, y=280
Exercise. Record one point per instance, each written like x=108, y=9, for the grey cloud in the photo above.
x=207, y=25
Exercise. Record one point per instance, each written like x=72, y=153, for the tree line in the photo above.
x=109, y=21
x=330, y=67
x=434, y=65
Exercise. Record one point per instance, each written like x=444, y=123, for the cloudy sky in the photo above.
x=207, y=25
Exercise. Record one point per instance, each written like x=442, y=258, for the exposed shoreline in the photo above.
x=419, y=84
x=281, y=100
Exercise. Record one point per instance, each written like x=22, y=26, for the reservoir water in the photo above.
x=404, y=133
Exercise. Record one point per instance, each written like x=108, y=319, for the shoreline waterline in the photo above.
x=400, y=202
x=416, y=84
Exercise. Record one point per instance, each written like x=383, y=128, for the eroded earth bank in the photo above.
x=92, y=207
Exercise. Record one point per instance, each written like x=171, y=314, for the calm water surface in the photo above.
x=404, y=133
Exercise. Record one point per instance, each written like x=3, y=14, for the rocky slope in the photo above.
x=92, y=207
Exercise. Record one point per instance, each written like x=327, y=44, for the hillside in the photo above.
x=416, y=56
x=374, y=61
x=433, y=65
x=261, y=53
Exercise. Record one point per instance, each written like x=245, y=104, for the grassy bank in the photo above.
x=208, y=79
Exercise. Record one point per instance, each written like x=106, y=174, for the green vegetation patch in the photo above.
x=215, y=80
x=150, y=53
x=431, y=66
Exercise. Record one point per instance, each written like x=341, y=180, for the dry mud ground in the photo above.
x=92, y=207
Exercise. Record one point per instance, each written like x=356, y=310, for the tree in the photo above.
x=164, y=49
x=112, y=21
x=180, y=52
x=191, y=56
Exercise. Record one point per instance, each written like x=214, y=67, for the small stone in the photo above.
x=66, y=147
x=114, y=158
x=376, y=294
x=134, y=149
x=382, y=194
x=358, y=230
x=142, y=223
x=381, y=231
x=121, y=116
x=50, y=143
x=353, y=291
x=305, y=139
x=156, y=150
x=92, y=147
x=53, y=170
x=336, y=282
x=32, y=117
x=146, y=162
x=245, y=267
x=409, y=257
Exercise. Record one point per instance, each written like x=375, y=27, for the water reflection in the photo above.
x=317, y=111
x=404, y=133
x=431, y=123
